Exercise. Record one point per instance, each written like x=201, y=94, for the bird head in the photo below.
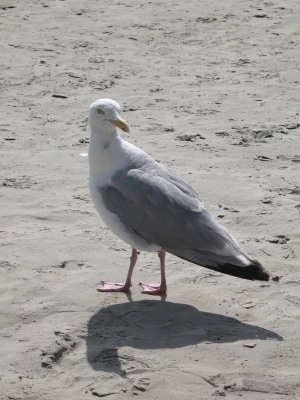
x=104, y=113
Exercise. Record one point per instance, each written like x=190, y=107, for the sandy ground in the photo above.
x=210, y=89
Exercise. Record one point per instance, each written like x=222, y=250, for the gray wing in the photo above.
x=157, y=205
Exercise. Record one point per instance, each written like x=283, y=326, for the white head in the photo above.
x=105, y=116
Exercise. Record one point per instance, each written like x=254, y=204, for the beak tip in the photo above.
x=121, y=124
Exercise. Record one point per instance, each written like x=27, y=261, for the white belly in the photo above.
x=112, y=221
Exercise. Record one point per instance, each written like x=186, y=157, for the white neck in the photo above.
x=104, y=150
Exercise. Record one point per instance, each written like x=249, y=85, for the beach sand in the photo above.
x=211, y=90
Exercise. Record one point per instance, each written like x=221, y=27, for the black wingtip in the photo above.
x=258, y=271
x=253, y=271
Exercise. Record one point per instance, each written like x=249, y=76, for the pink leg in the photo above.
x=124, y=286
x=156, y=288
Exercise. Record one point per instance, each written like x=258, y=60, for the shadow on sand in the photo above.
x=154, y=324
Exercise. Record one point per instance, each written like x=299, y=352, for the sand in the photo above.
x=210, y=89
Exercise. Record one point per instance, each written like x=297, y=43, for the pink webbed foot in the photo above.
x=153, y=288
x=114, y=287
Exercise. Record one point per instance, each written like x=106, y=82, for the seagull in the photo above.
x=151, y=208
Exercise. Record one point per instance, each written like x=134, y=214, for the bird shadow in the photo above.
x=154, y=324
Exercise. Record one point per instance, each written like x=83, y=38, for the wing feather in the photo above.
x=159, y=206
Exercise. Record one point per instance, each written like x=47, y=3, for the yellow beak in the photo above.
x=120, y=123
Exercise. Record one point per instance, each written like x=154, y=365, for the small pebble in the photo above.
x=293, y=126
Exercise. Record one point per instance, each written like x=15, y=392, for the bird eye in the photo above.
x=99, y=111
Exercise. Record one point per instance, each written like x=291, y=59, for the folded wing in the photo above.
x=157, y=205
